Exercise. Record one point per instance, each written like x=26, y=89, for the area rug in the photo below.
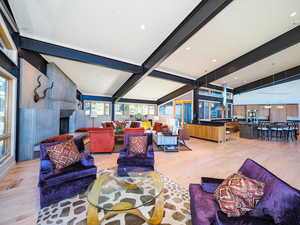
x=118, y=147
x=73, y=211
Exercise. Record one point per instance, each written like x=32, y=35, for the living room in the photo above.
x=111, y=115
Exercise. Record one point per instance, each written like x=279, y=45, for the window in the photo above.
x=203, y=110
x=215, y=110
x=203, y=91
x=133, y=109
x=217, y=94
x=166, y=109
x=5, y=127
x=97, y=108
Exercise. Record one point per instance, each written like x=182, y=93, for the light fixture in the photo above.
x=143, y=27
x=214, y=60
x=280, y=107
x=267, y=106
x=188, y=48
x=293, y=14
x=235, y=78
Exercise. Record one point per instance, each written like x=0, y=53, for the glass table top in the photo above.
x=136, y=190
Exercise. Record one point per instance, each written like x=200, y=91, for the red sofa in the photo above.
x=102, y=140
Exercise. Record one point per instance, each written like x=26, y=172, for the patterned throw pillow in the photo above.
x=238, y=194
x=63, y=154
x=137, y=146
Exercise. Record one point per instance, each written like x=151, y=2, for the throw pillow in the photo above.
x=63, y=154
x=63, y=137
x=239, y=194
x=137, y=146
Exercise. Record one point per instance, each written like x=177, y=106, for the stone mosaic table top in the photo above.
x=138, y=189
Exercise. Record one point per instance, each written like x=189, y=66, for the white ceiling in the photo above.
x=108, y=28
x=151, y=88
x=241, y=27
x=276, y=63
x=91, y=79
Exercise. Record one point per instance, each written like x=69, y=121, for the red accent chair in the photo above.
x=87, y=129
x=157, y=126
x=108, y=125
x=102, y=140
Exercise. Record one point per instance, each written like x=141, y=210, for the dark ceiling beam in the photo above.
x=41, y=47
x=171, y=77
x=176, y=93
x=278, y=78
x=72, y=54
x=277, y=44
x=111, y=99
x=201, y=15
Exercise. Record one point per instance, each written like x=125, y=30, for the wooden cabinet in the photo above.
x=213, y=133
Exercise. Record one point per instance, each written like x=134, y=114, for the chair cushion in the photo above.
x=63, y=154
x=222, y=219
x=64, y=137
x=69, y=173
x=280, y=201
x=137, y=146
x=238, y=194
x=203, y=206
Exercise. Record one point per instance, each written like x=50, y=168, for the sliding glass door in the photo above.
x=5, y=128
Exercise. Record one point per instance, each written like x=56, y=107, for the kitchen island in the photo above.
x=208, y=130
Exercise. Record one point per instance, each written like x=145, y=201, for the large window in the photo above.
x=166, y=109
x=210, y=110
x=128, y=109
x=203, y=110
x=216, y=110
x=96, y=108
x=5, y=126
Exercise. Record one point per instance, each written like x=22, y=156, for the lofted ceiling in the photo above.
x=130, y=31
x=239, y=28
x=91, y=79
x=126, y=30
x=151, y=88
x=276, y=63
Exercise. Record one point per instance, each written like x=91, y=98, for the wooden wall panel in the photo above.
x=278, y=113
x=292, y=110
x=239, y=111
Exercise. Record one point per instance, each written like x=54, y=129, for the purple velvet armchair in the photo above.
x=279, y=205
x=138, y=163
x=58, y=185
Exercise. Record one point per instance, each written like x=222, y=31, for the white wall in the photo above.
x=286, y=93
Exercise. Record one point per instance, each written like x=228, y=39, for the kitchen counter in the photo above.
x=213, y=131
x=248, y=130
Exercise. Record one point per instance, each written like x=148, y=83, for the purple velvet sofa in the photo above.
x=280, y=204
x=137, y=163
x=58, y=185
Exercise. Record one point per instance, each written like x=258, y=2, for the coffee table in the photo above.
x=117, y=195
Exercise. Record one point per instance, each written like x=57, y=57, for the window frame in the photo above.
x=105, y=103
x=9, y=135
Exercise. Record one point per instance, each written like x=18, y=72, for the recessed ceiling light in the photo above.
x=143, y=27
x=293, y=14
x=188, y=48
x=245, y=81
x=214, y=60
x=235, y=78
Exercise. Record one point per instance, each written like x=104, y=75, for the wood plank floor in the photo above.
x=19, y=197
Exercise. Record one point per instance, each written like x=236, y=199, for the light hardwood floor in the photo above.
x=19, y=197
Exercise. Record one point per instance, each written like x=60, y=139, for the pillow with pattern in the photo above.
x=63, y=154
x=239, y=194
x=137, y=146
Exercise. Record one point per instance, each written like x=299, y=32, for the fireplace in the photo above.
x=64, y=121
